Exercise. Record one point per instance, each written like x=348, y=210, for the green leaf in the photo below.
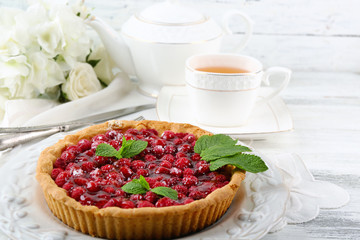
x=220, y=151
x=133, y=148
x=105, y=150
x=206, y=141
x=93, y=63
x=248, y=162
x=166, y=192
x=134, y=187
x=144, y=183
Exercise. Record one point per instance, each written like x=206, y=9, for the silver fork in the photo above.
x=11, y=140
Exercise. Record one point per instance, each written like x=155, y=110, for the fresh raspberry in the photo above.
x=107, y=168
x=158, y=142
x=221, y=184
x=166, y=164
x=122, y=162
x=99, y=138
x=181, y=189
x=120, y=193
x=219, y=178
x=188, y=171
x=159, y=184
x=73, y=149
x=92, y=186
x=89, y=153
x=152, y=166
x=127, y=204
x=176, y=172
x=137, y=164
x=129, y=136
x=180, y=135
x=196, y=157
x=77, y=192
x=170, y=149
x=159, y=151
x=115, y=144
x=163, y=170
x=202, y=168
x=88, y=166
x=132, y=131
x=189, y=180
x=154, y=132
x=197, y=195
x=68, y=186
x=84, y=145
x=80, y=181
x=100, y=203
x=109, y=189
x=96, y=173
x=150, y=158
x=151, y=197
x=172, y=181
x=126, y=171
x=68, y=156
x=86, y=200
x=142, y=172
x=60, y=163
x=151, y=181
x=189, y=138
x=164, y=202
x=110, y=203
x=182, y=163
x=178, y=141
x=114, y=176
x=142, y=204
x=185, y=148
x=62, y=178
x=180, y=155
x=167, y=135
x=55, y=172
x=113, y=135
x=145, y=132
x=136, y=197
x=100, y=161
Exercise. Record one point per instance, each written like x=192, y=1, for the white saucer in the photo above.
x=270, y=117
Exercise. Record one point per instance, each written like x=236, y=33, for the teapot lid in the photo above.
x=171, y=13
x=171, y=22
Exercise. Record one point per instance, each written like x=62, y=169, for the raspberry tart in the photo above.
x=95, y=192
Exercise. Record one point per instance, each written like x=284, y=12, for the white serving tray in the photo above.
x=267, y=118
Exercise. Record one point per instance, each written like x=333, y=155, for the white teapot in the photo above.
x=154, y=44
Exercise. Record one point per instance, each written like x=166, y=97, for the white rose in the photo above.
x=82, y=82
x=104, y=68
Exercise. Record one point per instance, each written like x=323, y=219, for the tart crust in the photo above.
x=136, y=223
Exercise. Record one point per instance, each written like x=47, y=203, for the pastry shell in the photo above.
x=137, y=223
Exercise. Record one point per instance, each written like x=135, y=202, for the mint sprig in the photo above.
x=221, y=150
x=141, y=186
x=129, y=148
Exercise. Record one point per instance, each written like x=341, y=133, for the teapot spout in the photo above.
x=114, y=44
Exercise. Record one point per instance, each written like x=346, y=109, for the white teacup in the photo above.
x=223, y=88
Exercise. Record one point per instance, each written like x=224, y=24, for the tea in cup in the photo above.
x=224, y=88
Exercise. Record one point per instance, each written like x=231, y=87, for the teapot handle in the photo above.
x=249, y=25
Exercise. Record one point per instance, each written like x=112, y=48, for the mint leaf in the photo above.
x=144, y=183
x=247, y=162
x=206, y=141
x=105, y=150
x=133, y=148
x=220, y=151
x=166, y=192
x=134, y=187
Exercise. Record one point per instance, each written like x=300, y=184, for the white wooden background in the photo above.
x=305, y=35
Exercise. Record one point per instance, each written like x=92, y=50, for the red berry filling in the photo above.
x=168, y=161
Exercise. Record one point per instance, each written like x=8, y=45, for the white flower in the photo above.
x=104, y=68
x=45, y=73
x=82, y=82
x=13, y=73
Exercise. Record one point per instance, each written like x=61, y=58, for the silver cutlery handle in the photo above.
x=11, y=140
